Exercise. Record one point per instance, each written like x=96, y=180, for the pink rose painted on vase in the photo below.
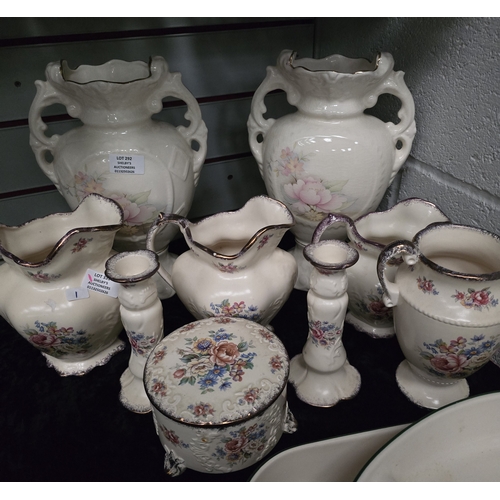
x=137, y=212
x=307, y=195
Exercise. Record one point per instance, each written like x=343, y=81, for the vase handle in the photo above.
x=329, y=220
x=391, y=255
x=161, y=221
x=257, y=125
x=196, y=132
x=404, y=131
x=46, y=95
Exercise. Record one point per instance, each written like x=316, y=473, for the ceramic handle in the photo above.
x=46, y=95
x=405, y=130
x=392, y=252
x=196, y=132
x=257, y=125
x=327, y=222
x=161, y=221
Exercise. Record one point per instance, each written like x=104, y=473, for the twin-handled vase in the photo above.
x=329, y=155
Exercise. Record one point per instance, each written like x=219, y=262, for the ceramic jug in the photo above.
x=446, y=315
x=148, y=166
x=329, y=156
x=369, y=234
x=44, y=293
x=233, y=267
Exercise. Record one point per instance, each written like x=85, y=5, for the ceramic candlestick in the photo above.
x=142, y=317
x=321, y=374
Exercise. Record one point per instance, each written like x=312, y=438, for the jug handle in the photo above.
x=161, y=221
x=329, y=220
x=394, y=251
x=257, y=125
x=405, y=130
x=46, y=95
x=197, y=131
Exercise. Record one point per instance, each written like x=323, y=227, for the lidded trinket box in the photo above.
x=217, y=387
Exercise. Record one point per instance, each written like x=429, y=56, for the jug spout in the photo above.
x=232, y=250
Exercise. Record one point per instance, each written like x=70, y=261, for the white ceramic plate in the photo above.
x=336, y=459
x=459, y=442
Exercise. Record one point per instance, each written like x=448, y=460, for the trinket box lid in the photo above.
x=216, y=371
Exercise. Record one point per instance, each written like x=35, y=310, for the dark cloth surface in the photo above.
x=75, y=429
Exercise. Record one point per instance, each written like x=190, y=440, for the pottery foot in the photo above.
x=326, y=389
x=377, y=332
x=133, y=395
x=290, y=425
x=67, y=368
x=427, y=394
x=173, y=465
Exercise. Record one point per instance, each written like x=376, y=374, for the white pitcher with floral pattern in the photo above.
x=329, y=156
x=445, y=296
x=53, y=290
x=233, y=267
x=148, y=166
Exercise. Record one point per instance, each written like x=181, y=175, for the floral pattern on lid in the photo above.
x=216, y=373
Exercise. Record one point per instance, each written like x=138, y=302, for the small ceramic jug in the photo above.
x=142, y=317
x=321, y=374
x=369, y=235
x=233, y=266
x=43, y=294
x=446, y=314
x=148, y=166
x=329, y=156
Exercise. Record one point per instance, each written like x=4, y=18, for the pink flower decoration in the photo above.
x=310, y=193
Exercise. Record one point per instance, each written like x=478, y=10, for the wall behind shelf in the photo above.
x=451, y=67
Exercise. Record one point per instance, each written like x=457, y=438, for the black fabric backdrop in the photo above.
x=57, y=428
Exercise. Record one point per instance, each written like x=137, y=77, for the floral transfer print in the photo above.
x=372, y=305
x=56, y=341
x=201, y=409
x=476, y=299
x=141, y=344
x=158, y=355
x=461, y=357
x=80, y=244
x=172, y=437
x=264, y=241
x=250, y=396
x=159, y=387
x=427, y=286
x=227, y=268
x=242, y=444
x=277, y=363
x=214, y=361
x=138, y=214
x=324, y=334
x=234, y=310
x=307, y=195
x=41, y=277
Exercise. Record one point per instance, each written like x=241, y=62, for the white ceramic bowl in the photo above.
x=459, y=442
